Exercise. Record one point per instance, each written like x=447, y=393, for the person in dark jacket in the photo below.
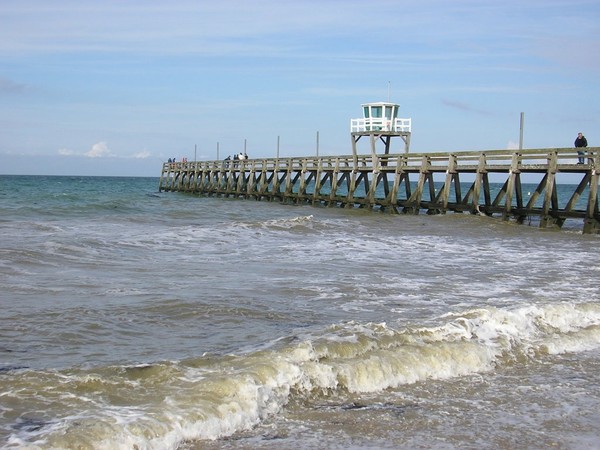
x=580, y=142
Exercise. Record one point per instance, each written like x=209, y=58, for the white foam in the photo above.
x=213, y=397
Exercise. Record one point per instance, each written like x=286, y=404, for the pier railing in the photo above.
x=545, y=185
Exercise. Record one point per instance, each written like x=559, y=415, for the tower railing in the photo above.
x=380, y=124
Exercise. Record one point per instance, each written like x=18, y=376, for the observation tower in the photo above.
x=381, y=123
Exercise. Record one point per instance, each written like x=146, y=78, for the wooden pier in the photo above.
x=545, y=186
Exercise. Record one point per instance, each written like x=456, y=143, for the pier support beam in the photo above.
x=592, y=221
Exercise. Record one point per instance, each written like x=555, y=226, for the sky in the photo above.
x=113, y=87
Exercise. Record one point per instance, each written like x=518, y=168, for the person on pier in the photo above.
x=580, y=142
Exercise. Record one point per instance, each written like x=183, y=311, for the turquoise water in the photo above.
x=138, y=319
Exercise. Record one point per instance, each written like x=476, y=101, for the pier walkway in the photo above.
x=545, y=186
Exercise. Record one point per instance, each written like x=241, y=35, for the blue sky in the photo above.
x=116, y=87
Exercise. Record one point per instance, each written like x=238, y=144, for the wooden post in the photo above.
x=510, y=185
x=591, y=221
x=449, y=177
x=546, y=220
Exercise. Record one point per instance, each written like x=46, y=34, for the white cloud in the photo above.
x=99, y=150
x=512, y=145
x=142, y=155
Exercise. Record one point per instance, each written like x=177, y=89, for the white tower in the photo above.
x=380, y=122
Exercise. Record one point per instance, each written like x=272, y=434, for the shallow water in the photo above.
x=133, y=318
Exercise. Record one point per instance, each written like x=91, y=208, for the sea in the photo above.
x=138, y=319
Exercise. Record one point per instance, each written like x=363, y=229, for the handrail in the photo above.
x=531, y=158
x=380, y=124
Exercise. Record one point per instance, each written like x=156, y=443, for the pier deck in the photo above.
x=483, y=182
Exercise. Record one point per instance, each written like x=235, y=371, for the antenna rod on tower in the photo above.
x=389, y=90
